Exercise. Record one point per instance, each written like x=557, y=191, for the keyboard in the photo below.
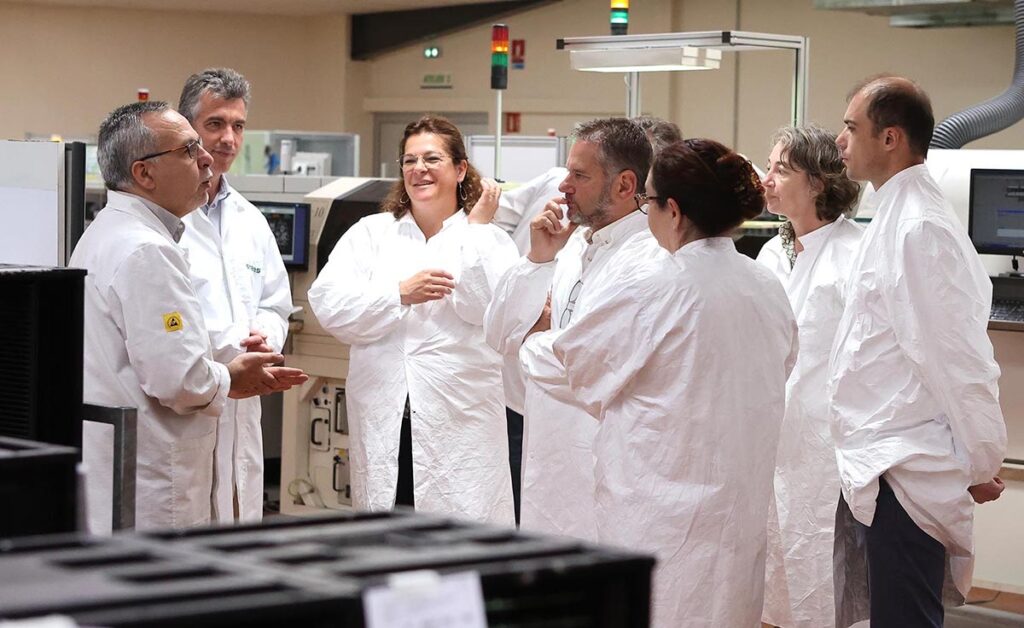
x=1011, y=310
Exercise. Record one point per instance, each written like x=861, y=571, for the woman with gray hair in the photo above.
x=806, y=183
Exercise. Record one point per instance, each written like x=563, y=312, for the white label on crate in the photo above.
x=426, y=599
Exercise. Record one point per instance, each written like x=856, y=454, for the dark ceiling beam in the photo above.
x=374, y=34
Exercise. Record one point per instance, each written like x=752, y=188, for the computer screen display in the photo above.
x=996, y=218
x=289, y=223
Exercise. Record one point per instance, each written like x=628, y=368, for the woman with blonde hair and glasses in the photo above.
x=407, y=289
x=806, y=183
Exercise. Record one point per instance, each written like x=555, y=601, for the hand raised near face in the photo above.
x=485, y=207
x=547, y=233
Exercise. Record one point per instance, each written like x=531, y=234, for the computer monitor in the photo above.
x=996, y=211
x=290, y=224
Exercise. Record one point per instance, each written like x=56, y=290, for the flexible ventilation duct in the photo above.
x=992, y=115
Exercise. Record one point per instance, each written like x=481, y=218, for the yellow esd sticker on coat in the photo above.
x=173, y=322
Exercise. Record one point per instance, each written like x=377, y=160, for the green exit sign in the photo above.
x=436, y=80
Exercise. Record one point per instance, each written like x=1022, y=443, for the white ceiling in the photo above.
x=266, y=7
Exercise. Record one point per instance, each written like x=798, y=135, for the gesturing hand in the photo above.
x=426, y=285
x=485, y=207
x=256, y=374
x=547, y=234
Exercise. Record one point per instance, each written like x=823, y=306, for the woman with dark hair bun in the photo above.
x=406, y=289
x=703, y=340
x=806, y=183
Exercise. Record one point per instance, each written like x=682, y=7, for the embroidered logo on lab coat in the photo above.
x=255, y=269
x=173, y=322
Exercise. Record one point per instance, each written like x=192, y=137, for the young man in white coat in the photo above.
x=147, y=345
x=241, y=282
x=913, y=381
x=607, y=167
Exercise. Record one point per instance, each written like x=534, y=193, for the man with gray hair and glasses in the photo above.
x=240, y=280
x=607, y=168
x=147, y=345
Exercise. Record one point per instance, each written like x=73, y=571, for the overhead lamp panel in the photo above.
x=646, y=59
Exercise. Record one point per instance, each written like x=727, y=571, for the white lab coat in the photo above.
x=516, y=209
x=134, y=356
x=912, y=376
x=801, y=521
x=433, y=352
x=558, y=434
x=684, y=360
x=241, y=283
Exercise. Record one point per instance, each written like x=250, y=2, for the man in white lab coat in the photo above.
x=147, y=345
x=914, y=396
x=607, y=167
x=240, y=280
x=516, y=209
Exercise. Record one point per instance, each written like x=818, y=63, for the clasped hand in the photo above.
x=426, y=285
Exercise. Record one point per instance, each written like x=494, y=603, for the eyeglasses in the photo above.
x=643, y=199
x=431, y=161
x=192, y=148
x=571, y=305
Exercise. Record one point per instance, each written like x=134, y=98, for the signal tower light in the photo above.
x=499, y=56
x=620, y=17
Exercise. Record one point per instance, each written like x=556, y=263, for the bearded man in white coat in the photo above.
x=241, y=281
x=148, y=346
x=516, y=210
x=607, y=166
x=914, y=385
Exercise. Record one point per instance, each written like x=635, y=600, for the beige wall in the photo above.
x=957, y=66
x=64, y=69
x=547, y=92
x=740, y=104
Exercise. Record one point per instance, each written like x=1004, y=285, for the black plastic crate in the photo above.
x=527, y=580
x=41, y=335
x=38, y=488
x=316, y=571
x=123, y=581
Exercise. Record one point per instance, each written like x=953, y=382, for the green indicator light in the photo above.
x=499, y=58
x=620, y=17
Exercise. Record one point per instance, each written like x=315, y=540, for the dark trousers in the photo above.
x=906, y=568
x=404, y=493
x=515, y=455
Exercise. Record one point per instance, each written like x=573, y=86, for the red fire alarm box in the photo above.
x=518, y=53
x=513, y=122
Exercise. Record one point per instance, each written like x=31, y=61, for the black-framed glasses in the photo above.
x=192, y=148
x=570, y=305
x=430, y=161
x=642, y=199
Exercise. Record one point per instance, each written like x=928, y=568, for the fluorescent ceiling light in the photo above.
x=667, y=59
